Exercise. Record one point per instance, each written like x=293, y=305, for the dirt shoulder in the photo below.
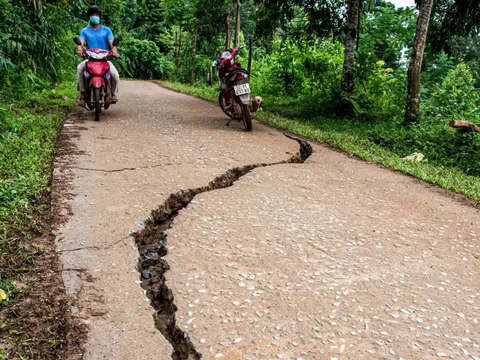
x=37, y=322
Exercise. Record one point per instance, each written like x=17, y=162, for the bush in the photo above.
x=301, y=81
x=141, y=59
x=380, y=92
x=456, y=97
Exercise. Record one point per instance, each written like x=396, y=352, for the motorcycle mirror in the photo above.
x=214, y=64
x=77, y=41
x=116, y=41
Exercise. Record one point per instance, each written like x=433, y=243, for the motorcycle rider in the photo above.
x=100, y=37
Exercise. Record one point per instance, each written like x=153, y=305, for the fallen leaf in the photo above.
x=3, y=296
x=415, y=157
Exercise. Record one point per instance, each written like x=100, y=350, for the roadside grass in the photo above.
x=28, y=136
x=353, y=137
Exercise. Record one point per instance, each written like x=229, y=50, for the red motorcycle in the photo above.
x=235, y=96
x=97, y=78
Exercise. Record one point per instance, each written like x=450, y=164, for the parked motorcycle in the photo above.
x=235, y=95
x=97, y=78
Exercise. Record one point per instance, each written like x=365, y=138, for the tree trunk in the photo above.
x=415, y=67
x=210, y=77
x=176, y=55
x=193, y=54
x=359, y=30
x=227, y=30
x=250, y=55
x=179, y=46
x=349, y=54
x=237, y=24
x=464, y=124
x=37, y=4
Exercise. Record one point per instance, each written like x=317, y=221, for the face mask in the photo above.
x=95, y=20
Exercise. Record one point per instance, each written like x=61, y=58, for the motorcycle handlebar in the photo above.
x=110, y=55
x=234, y=51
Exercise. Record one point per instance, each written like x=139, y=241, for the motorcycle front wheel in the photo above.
x=223, y=105
x=97, y=104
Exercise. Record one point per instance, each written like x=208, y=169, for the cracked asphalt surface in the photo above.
x=331, y=259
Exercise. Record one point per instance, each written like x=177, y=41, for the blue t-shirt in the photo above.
x=97, y=39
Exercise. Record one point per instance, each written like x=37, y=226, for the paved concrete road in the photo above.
x=334, y=258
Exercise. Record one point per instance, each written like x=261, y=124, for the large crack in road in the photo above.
x=152, y=247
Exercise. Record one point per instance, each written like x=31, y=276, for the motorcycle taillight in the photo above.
x=239, y=77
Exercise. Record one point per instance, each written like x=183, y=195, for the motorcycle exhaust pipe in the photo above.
x=257, y=102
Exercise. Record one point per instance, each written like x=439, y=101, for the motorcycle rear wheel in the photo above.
x=98, y=105
x=247, y=117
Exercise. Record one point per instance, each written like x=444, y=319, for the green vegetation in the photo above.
x=29, y=131
x=35, y=56
x=36, y=91
x=26, y=149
